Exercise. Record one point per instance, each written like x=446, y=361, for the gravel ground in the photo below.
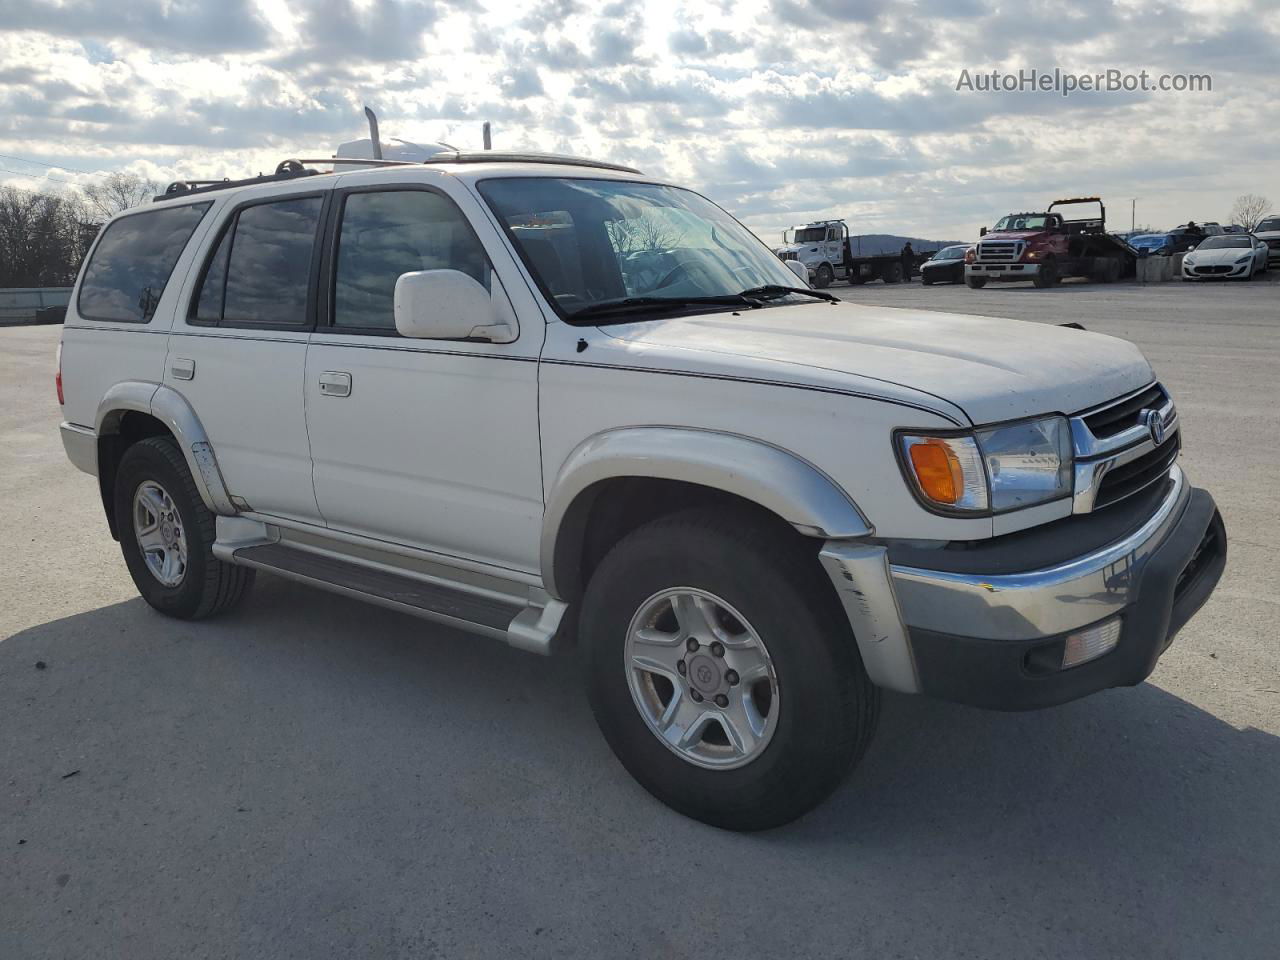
x=311, y=777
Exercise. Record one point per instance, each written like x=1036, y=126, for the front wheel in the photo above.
x=1047, y=275
x=822, y=279
x=722, y=671
x=975, y=283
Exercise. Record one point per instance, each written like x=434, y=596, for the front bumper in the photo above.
x=1002, y=271
x=985, y=640
x=1216, y=271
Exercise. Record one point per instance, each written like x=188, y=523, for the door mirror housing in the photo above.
x=982, y=231
x=799, y=269
x=447, y=305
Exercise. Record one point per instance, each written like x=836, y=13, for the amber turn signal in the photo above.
x=937, y=470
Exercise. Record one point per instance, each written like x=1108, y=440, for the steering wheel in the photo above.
x=689, y=267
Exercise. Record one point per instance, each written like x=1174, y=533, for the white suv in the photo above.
x=547, y=400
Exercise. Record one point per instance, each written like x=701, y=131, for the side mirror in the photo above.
x=799, y=269
x=447, y=305
x=982, y=231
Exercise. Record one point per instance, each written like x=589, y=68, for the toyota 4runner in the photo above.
x=547, y=400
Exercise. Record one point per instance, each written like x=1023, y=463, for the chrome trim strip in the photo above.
x=1088, y=447
x=1038, y=603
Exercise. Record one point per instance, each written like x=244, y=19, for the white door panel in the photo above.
x=434, y=450
x=247, y=391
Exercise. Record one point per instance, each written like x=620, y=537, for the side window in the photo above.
x=131, y=264
x=388, y=233
x=261, y=270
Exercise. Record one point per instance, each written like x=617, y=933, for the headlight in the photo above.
x=1245, y=259
x=994, y=469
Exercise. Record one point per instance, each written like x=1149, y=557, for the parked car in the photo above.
x=945, y=266
x=1164, y=244
x=1268, y=231
x=1229, y=256
x=549, y=400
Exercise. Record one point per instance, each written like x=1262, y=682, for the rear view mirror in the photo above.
x=799, y=269
x=447, y=305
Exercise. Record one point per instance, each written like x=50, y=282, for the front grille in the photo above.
x=1127, y=413
x=1000, y=251
x=788, y=255
x=1217, y=268
x=1274, y=243
x=1137, y=475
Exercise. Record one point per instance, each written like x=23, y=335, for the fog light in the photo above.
x=1090, y=643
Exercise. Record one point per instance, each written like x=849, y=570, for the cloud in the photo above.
x=190, y=26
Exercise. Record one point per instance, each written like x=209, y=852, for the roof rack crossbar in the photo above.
x=285, y=170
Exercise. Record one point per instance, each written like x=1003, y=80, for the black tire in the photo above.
x=1047, y=275
x=828, y=714
x=924, y=279
x=822, y=279
x=975, y=283
x=893, y=273
x=208, y=585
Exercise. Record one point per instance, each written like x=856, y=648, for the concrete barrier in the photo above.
x=1155, y=269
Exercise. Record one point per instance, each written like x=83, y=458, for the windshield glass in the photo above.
x=590, y=242
x=1149, y=240
x=951, y=253
x=1022, y=221
x=810, y=234
x=1227, y=240
x=1271, y=223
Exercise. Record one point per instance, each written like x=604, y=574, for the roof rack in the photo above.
x=292, y=169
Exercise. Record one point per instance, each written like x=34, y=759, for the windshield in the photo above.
x=811, y=234
x=1226, y=241
x=951, y=253
x=1271, y=223
x=593, y=242
x=1023, y=221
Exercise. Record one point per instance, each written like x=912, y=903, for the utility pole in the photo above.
x=1133, y=214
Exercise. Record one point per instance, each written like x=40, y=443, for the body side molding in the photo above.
x=786, y=485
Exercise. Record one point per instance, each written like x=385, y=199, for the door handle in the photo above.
x=335, y=383
x=182, y=368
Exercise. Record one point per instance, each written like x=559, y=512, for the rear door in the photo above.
x=427, y=443
x=238, y=350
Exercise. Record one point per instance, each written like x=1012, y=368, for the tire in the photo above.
x=205, y=586
x=924, y=279
x=975, y=283
x=822, y=279
x=893, y=273
x=1046, y=276
x=821, y=726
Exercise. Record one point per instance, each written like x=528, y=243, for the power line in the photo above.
x=52, y=166
x=19, y=173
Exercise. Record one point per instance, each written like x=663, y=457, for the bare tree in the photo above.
x=118, y=191
x=43, y=238
x=647, y=233
x=1249, y=210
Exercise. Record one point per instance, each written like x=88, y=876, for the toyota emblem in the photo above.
x=1155, y=425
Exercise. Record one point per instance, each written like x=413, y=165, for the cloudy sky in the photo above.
x=780, y=110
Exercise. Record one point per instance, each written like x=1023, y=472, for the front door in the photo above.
x=426, y=443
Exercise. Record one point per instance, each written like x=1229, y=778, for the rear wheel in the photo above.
x=167, y=535
x=976, y=283
x=722, y=671
x=823, y=277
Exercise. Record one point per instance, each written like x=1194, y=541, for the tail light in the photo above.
x=57, y=380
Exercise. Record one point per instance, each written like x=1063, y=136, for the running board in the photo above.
x=528, y=626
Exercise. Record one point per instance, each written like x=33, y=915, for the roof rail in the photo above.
x=292, y=169
x=285, y=170
x=494, y=156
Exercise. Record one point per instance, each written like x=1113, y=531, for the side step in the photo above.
x=485, y=615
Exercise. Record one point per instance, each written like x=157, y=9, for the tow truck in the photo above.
x=1045, y=247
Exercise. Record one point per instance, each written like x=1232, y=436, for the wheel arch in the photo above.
x=134, y=410
x=655, y=469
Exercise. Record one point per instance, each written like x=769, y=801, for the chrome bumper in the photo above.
x=886, y=602
x=81, y=444
x=1001, y=271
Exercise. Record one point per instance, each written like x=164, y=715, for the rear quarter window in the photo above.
x=131, y=264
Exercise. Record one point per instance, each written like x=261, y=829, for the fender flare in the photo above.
x=172, y=409
x=775, y=479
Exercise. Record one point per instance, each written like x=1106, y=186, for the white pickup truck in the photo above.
x=549, y=401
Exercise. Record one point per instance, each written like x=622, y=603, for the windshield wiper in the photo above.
x=771, y=291
x=649, y=304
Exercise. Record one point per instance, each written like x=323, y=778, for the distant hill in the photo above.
x=871, y=244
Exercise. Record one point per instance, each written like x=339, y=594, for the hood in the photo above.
x=1223, y=255
x=991, y=369
x=1268, y=235
x=1011, y=235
